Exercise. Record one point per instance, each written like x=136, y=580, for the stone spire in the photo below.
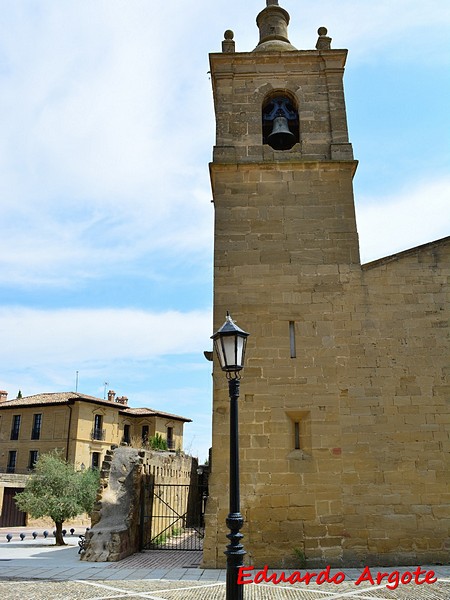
x=273, y=24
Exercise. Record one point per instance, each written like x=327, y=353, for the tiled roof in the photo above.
x=52, y=398
x=65, y=397
x=142, y=412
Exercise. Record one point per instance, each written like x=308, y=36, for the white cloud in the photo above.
x=415, y=215
x=34, y=337
x=101, y=132
x=404, y=30
x=107, y=125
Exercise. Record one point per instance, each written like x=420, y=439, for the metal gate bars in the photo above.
x=172, y=517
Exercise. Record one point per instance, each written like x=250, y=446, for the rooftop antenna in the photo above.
x=76, y=383
x=104, y=391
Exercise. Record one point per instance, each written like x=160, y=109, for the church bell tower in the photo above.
x=285, y=256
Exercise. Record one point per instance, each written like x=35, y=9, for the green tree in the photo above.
x=156, y=442
x=57, y=491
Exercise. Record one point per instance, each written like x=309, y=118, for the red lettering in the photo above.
x=260, y=576
x=417, y=573
x=242, y=575
x=295, y=577
x=338, y=578
x=406, y=577
x=273, y=578
x=381, y=576
x=323, y=576
x=393, y=580
x=366, y=575
x=430, y=577
x=308, y=576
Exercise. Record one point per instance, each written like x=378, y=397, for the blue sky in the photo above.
x=107, y=127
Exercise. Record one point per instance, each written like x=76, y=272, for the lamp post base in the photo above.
x=235, y=557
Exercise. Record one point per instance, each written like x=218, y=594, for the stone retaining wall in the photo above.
x=125, y=475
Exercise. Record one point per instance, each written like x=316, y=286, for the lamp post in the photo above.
x=230, y=342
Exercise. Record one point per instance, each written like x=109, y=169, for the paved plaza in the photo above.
x=38, y=570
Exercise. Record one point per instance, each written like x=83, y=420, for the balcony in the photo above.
x=98, y=434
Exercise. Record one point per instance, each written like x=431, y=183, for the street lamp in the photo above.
x=230, y=342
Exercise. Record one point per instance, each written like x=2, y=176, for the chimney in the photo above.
x=122, y=400
x=3, y=396
x=111, y=395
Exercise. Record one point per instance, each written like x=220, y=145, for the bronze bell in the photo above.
x=281, y=137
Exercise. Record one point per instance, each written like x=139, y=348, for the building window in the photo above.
x=296, y=435
x=299, y=438
x=98, y=433
x=95, y=463
x=12, y=459
x=15, y=428
x=170, y=440
x=32, y=460
x=126, y=434
x=292, y=339
x=37, y=423
x=145, y=431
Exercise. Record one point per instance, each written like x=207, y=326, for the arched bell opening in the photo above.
x=280, y=122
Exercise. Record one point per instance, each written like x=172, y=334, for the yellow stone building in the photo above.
x=81, y=427
x=345, y=398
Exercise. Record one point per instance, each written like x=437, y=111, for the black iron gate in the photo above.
x=172, y=517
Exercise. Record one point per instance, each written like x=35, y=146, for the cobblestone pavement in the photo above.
x=194, y=590
x=38, y=570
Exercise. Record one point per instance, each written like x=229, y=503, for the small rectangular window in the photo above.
x=298, y=441
x=37, y=423
x=292, y=339
x=95, y=464
x=12, y=459
x=32, y=460
x=15, y=428
x=98, y=433
x=297, y=435
x=170, y=441
x=126, y=434
x=145, y=430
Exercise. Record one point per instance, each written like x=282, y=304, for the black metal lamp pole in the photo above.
x=235, y=550
x=230, y=343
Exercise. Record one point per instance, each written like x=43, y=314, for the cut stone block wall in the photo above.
x=370, y=385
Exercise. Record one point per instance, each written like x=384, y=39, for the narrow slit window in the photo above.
x=292, y=339
x=297, y=435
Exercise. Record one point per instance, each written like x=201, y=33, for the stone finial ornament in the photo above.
x=273, y=24
x=228, y=44
x=324, y=42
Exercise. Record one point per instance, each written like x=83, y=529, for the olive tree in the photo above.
x=57, y=491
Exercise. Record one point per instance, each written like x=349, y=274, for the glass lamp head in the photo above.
x=230, y=342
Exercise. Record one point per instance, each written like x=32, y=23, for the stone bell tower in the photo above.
x=286, y=259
